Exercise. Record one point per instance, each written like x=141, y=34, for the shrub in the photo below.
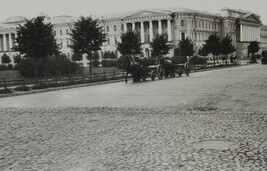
x=40, y=86
x=22, y=88
x=95, y=63
x=197, y=60
x=152, y=61
x=109, y=63
x=179, y=59
x=120, y=62
x=57, y=65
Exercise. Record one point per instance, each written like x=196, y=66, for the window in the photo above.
x=199, y=24
x=182, y=36
x=122, y=28
x=61, y=44
x=192, y=23
x=107, y=28
x=202, y=24
x=115, y=28
x=67, y=42
x=182, y=23
x=67, y=31
x=209, y=25
x=60, y=32
x=108, y=41
x=115, y=40
x=195, y=23
x=206, y=25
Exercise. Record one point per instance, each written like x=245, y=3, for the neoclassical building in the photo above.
x=178, y=23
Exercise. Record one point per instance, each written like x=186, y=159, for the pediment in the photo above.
x=143, y=13
x=251, y=17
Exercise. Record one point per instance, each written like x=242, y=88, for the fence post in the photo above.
x=123, y=73
x=23, y=83
x=104, y=77
x=82, y=79
x=56, y=79
x=5, y=84
x=69, y=79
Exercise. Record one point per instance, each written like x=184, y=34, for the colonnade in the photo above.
x=7, y=41
x=150, y=32
x=249, y=33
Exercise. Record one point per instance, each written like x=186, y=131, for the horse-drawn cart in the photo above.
x=182, y=68
x=141, y=70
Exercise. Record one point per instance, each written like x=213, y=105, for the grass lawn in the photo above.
x=100, y=69
x=13, y=74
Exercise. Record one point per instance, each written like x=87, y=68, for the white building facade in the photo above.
x=177, y=23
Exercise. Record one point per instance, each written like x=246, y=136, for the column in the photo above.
x=160, y=26
x=16, y=36
x=125, y=27
x=142, y=32
x=241, y=32
x=169, y=30
x=150, y=31
x=10, y=42
x=133, y=26
x=4, y=42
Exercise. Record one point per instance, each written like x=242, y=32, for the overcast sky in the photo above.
x=32, y=8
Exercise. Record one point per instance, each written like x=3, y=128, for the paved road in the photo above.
x=214, y=120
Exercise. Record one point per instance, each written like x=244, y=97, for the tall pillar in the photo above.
x=16, y=36
x=241, y=32
x=169, y=30
x=160, y=26
x=125, y=27
x=150, y=31
x=133, y=26
x=4, y=42
x=10, y=42
x=142, y=32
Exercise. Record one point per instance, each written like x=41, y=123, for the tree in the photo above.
x=77, y=57
x=203, y=51
x=130, y=43
x=227, y=46
x=5, y=59
x=159, y=45
x=87, y=36
x=253, y=47
x=17, y=59
x=96, y=56
x=36, y=39
x=185, y=48
x=213, y=46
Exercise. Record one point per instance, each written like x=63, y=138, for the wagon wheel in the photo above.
x=160, y=71
x=187, y=69
x=180, y=71
x=153, y=75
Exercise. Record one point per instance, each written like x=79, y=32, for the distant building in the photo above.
x=177, y=23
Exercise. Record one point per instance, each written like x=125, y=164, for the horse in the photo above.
x=131, y=65
x=168, y=66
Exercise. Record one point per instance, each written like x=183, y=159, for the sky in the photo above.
x=33, y=8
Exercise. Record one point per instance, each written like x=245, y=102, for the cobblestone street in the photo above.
x=130, y=139
x=222, y=126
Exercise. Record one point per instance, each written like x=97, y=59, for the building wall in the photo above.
x=195, y=25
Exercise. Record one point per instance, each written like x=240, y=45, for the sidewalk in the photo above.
x=17, y=93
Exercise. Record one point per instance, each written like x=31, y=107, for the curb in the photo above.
x=58, y=88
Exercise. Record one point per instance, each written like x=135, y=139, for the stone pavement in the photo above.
x=106, y=138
